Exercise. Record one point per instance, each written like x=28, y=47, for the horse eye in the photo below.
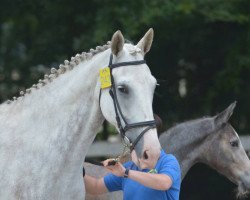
x=123, y=89
x=234, y=143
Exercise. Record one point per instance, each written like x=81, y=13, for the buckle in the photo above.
x=127, y=142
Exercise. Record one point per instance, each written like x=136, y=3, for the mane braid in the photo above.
x=67, y=66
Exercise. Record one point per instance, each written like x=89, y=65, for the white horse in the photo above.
x=46, y=132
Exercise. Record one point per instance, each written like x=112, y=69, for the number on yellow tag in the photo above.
x=105, y=78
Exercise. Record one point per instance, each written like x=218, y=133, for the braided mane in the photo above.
x=63, y=68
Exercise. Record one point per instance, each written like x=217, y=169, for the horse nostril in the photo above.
x=145, y=155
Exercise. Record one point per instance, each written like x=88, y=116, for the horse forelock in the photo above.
x=133, y=49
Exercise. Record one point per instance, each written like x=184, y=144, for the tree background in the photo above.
x=200, y=56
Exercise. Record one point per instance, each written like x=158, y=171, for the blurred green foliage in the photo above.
x=200, y=54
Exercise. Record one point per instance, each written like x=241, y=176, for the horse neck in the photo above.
x=63, y=115
x=185, y=141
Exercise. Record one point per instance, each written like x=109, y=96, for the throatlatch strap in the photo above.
x=118, y=120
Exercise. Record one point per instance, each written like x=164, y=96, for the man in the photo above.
x=160, y=183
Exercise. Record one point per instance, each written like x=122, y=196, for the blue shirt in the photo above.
x=132, y=190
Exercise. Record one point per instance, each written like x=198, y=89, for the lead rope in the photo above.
x=125, y=151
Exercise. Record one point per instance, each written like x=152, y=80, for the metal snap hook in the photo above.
x=127, y=142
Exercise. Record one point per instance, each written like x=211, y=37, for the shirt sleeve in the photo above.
x=171, y=168
x=115, y=183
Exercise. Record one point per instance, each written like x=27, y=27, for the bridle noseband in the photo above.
x=118, y=112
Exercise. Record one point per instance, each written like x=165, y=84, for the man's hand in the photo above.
x=116, y=169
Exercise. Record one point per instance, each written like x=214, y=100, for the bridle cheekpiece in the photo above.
x=107, y=81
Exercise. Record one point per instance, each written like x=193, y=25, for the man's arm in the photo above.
x=94, y=185
x=155, y=181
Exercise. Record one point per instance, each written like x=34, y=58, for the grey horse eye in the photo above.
x=123, y=89
x=234, y=143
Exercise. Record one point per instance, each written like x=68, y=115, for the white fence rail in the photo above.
x=108, y=149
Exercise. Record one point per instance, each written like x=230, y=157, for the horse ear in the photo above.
x=117, y=42
x=145, y=43
x=158, y=122
x=225, y=115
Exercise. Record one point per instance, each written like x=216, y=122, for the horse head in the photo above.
x=127, y=103
x=227, y=154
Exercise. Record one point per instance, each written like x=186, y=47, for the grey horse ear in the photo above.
x=225, y=115
x=145, y=43
x=117, y=42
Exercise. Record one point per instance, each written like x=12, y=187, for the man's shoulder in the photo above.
x=169, y=165
x=169, y=158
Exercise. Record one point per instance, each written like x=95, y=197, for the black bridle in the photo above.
x=118, y=112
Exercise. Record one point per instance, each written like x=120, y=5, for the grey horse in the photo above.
x=209, y=140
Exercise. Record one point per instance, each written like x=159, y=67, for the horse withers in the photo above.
x=209, y=140
x=46, y=132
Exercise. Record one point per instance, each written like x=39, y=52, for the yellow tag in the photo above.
x=105, y=78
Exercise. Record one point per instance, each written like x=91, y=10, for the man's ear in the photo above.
x=225, y=115
x=145, y=43
x=117, y=43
